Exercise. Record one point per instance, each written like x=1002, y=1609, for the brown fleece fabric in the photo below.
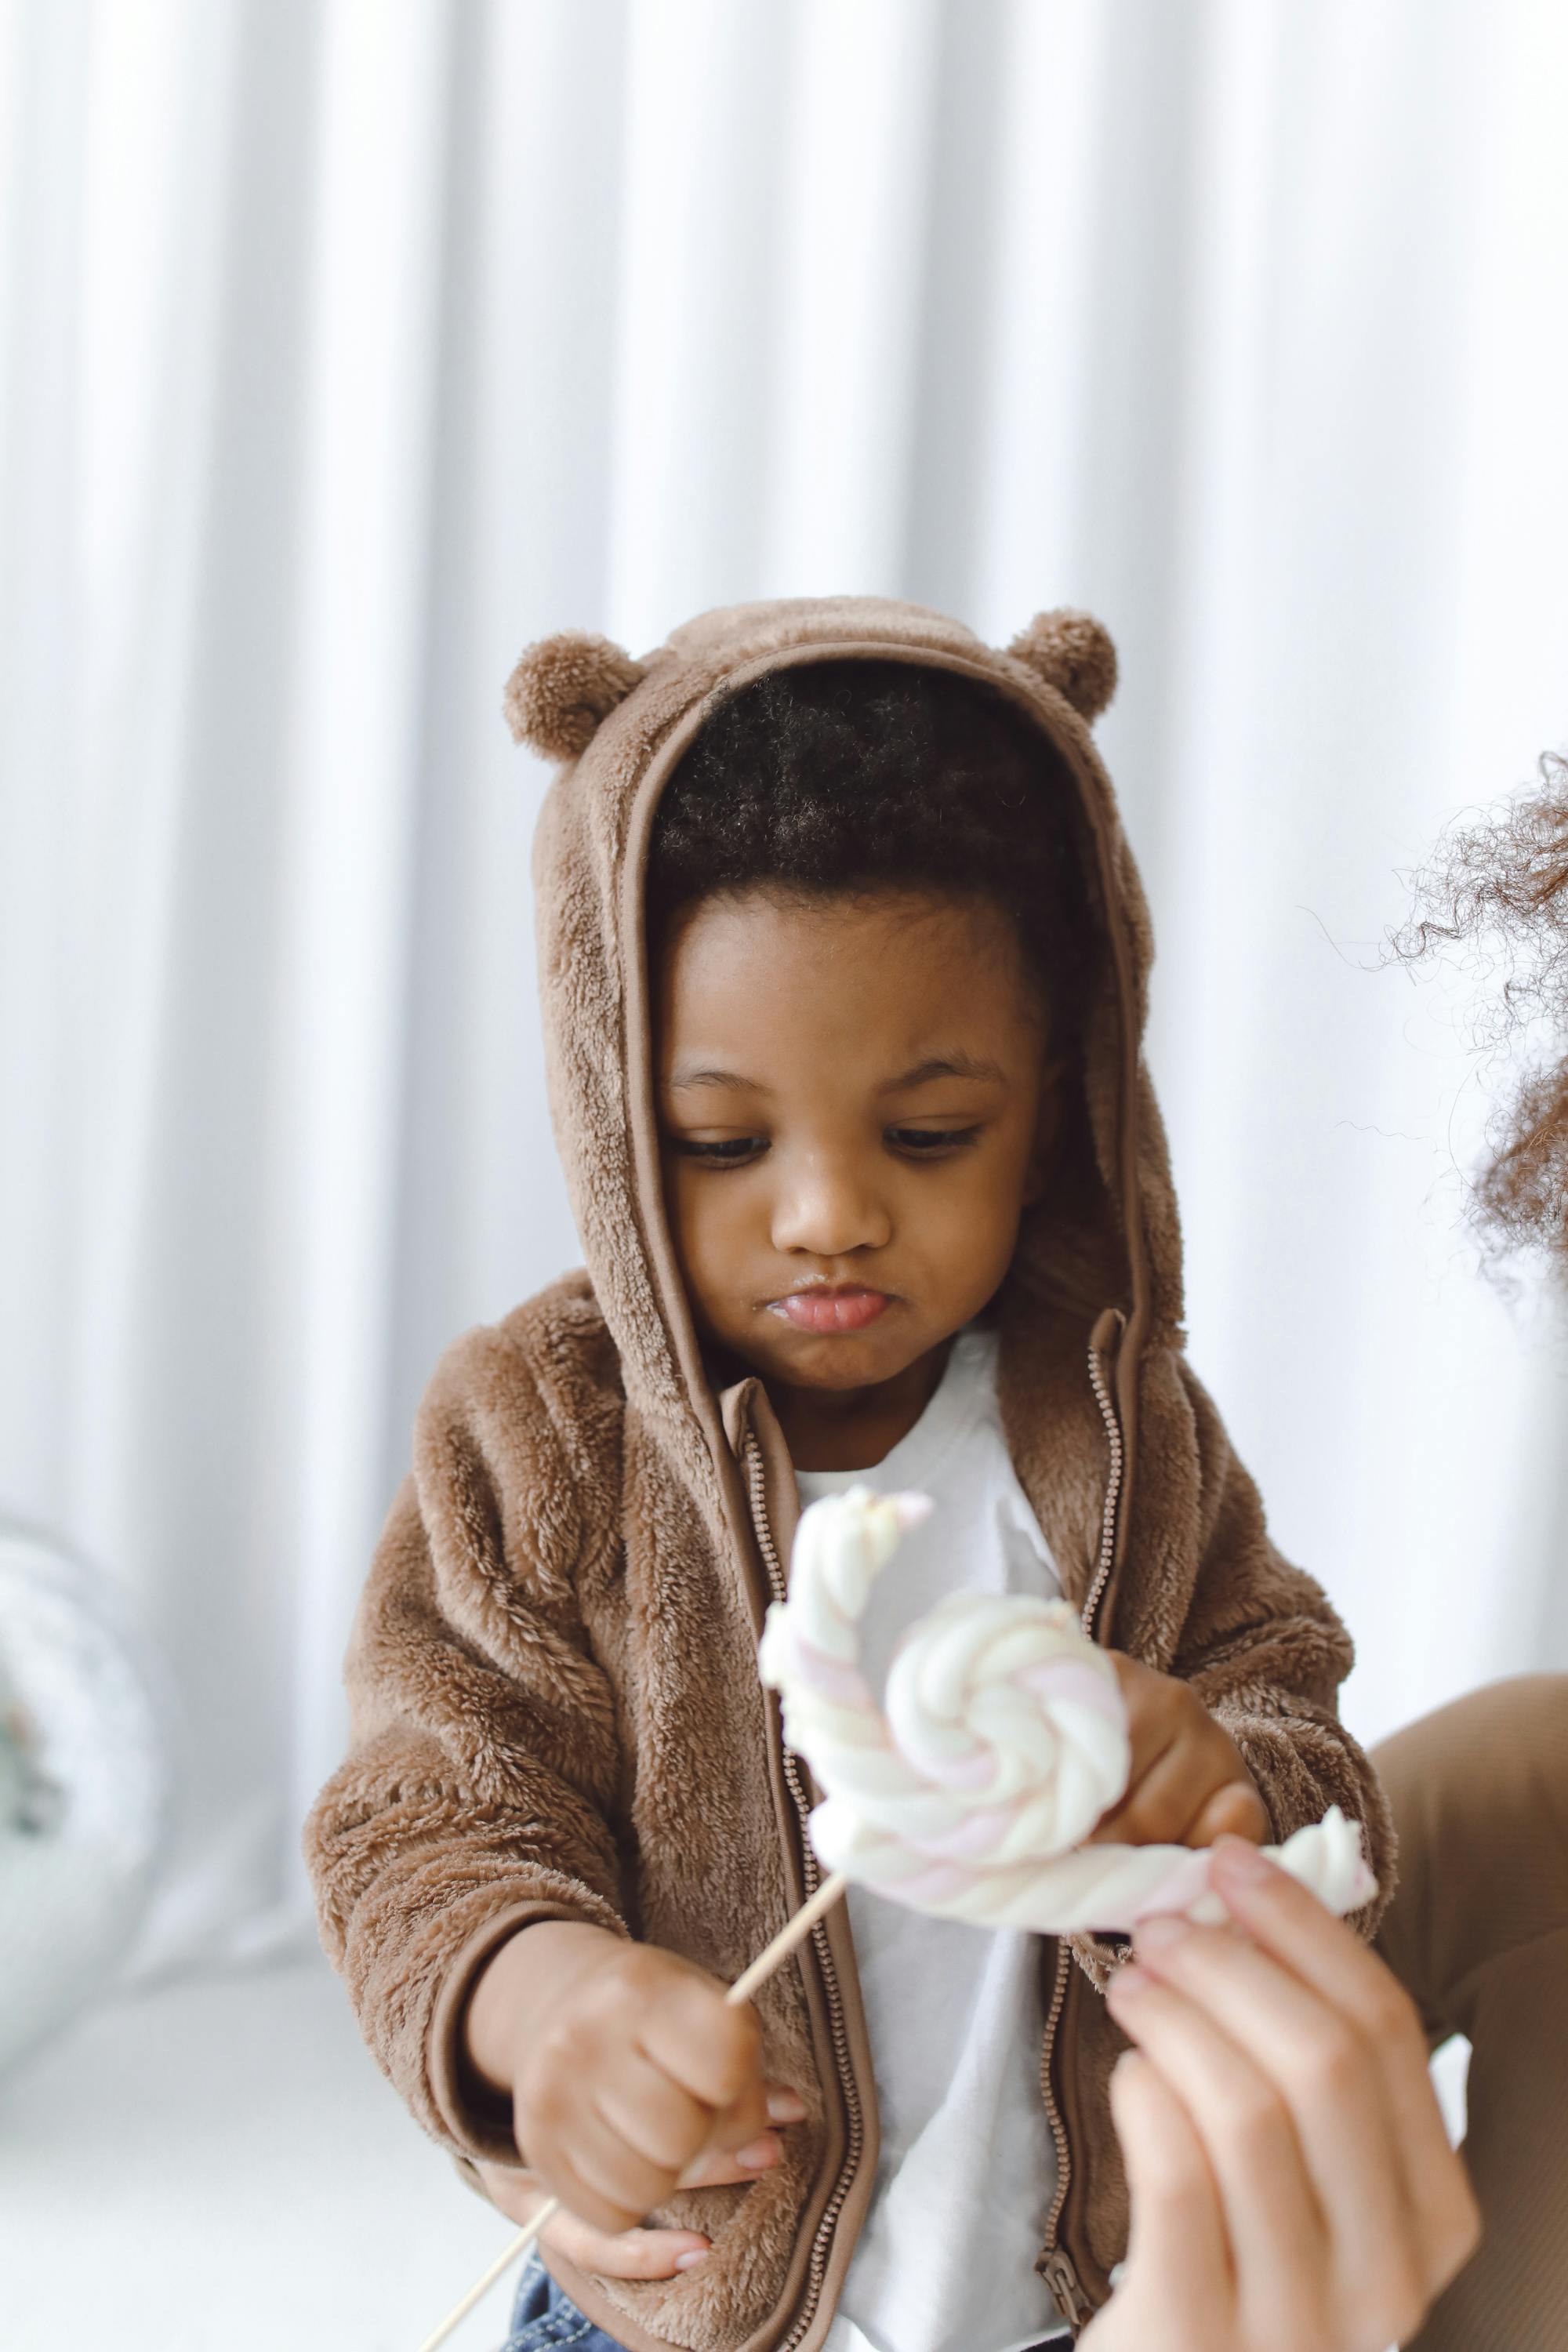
x=556, y=1704
x=1478, y=1935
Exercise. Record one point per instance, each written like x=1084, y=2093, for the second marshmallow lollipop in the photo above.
x=1002, y=1740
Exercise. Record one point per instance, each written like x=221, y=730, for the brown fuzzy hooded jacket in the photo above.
x=556, y=1704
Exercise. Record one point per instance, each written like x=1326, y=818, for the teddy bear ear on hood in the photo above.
x=561, y=690
x=1072, y=652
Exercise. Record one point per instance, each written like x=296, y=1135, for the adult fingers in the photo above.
x=1289, y=1924
x=1283, y=1917
x=1315, y=2061
x=1178, y=2288
x=624, y=2254
x=1272, y=2222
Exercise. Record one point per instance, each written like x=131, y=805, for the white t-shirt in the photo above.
x=946, y=2261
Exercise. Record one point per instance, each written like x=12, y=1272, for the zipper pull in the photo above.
x=1106, y=1336
x=1067, y=2293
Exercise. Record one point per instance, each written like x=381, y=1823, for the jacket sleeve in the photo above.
x=479, y=1787
x=1264, y=1649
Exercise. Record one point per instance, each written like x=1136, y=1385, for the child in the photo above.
x=844, y=965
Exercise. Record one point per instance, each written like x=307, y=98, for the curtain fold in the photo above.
x=345, y=345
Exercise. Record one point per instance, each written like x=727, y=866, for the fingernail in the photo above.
x=1127, y=1983
x=758, y=2154
x=1240, y=1862
x=1161, y=1933
x=786, y=2108
x=690, y=2261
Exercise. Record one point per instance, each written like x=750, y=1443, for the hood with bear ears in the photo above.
x=1106, y=1235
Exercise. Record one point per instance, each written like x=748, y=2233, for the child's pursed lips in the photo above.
x=848, y=1306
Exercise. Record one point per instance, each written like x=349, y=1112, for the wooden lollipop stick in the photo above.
x=482, y=2286
x=793, y=1931
x=773, y=1956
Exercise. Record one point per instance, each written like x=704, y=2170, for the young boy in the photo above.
x=843, y=964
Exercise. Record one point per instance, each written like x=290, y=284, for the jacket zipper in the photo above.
x=816, y=2268
x=1057, y=2269
x=1102, y=1398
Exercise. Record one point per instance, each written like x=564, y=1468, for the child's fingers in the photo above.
x=1156, y=1806
x=737, y=2130
x=721, y=2164
x=1234, y=1810
x=786, y=2104
x=516, y=2194
x=658, y=2117
x=1290, y=1925
x=721, y=2168
x=1184, y=1790
x=1178, y=2259
x=1272, y=2221
x=580, y=2197
x=662, y=2121
x=603, y=2181
x=711, y=2047
x=622, y=2253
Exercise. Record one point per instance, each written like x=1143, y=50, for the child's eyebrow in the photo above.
x=936, y=1065
x=731, y=1078
x=947, y=1066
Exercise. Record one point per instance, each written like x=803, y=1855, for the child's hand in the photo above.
x=1188, y=1785
x=641, y=2253
x=629, y=2072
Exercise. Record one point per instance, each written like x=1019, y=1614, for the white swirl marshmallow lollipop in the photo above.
x=1003, y=1740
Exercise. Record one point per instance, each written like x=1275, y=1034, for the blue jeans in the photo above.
x=542, y=2318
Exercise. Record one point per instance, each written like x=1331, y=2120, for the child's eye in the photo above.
x=931, y=1142
x=730, y=1151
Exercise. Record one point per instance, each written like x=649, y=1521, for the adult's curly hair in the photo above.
x=1500, y=889
x=837, y=778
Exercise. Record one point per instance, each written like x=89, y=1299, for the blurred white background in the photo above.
x=345, y=345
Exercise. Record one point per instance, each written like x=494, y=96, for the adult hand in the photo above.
x=1293, y=2189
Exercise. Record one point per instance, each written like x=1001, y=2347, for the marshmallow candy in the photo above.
x=1001, y=1740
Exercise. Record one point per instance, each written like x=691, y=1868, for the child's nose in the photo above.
x=827, y=1212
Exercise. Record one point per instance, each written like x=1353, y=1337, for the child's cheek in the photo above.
x=720, y=1238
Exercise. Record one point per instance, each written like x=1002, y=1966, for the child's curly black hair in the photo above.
x=836, y=778
x=1498, y=889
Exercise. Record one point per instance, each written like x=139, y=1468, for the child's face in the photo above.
x=854, y=1117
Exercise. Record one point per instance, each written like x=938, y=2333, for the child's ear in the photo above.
x=562, y=686
x=1072, y=652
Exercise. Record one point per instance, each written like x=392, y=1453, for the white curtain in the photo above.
x=347, y=345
